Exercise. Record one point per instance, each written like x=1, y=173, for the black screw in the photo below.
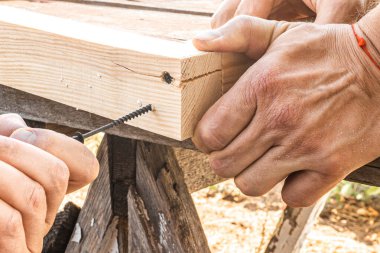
x=80, y=137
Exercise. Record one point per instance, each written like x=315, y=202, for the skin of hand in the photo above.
x=307, y=111
x=37, y=168
x=328, y=11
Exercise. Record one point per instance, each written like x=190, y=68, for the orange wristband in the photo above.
x=363, y=44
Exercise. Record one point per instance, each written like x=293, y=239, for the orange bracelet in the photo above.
x=363, y=44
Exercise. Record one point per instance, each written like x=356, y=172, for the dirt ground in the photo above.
x=236, y=223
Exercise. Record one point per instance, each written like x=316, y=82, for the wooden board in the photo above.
x=107, y=59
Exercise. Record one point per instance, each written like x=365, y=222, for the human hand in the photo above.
x=327, y=11
x=37, y=168
x=307, y=111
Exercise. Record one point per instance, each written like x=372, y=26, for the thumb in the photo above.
x=243, y=34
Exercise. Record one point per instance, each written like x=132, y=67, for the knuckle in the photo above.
x=297, y=200
x=333, y=166
x=219, y=167
x=215, y=20
x=244, y=22
x=90, y=173
x=7, y=145
x=249, y=96
x=285, y=116
x=263, y=85
x=13, y=224
x=36, y=198
x=59, y=174
x=249, y=188
x=210, y=137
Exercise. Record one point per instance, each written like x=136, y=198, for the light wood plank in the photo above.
x=69, y=62
x=157, y=23
x=196, y=7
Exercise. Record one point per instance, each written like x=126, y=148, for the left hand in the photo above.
x=37, y=168
x=307, y=111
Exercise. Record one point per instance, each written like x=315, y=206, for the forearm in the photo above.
x=369, y=25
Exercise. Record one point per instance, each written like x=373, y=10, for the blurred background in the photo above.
x=349, y=223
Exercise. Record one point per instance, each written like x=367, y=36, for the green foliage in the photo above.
x=354, y=190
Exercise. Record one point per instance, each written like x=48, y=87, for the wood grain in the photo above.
x=96, y=213
x=293, y=228
x=174, y=26
x=160, y=184
x=68, y=62
x=41, y=110
x=141, y=235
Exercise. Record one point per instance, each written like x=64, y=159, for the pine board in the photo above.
x=105, y=59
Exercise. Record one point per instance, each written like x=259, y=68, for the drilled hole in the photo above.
x=167, y=78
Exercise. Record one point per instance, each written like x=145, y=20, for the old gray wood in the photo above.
x=171, y=211
x=141, y=234
x=103, y=219
x=96, y=214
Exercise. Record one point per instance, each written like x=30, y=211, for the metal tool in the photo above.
x=81, y=137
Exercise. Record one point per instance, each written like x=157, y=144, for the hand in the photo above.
x=327, y=11
x=37, y=168
x=307, y=111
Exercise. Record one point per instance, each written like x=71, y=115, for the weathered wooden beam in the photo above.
x=103, y=222
x=369, y=174
x=294, y=226
x=96, y=214
x=141, y=234
x=168, y=203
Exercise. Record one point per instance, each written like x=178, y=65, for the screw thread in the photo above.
x=132, y=115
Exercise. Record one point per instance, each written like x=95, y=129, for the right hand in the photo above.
x=37, y=168
x=328, y=11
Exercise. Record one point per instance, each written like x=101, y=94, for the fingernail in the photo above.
x=24, y=135
x=207, y=36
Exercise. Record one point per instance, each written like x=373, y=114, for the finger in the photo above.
x=258, y=8
x=227, y=117
x=242, y=34
x=29, y=199
x=266, y=172
x=9, y=123
x=243, y=151
x=12, y=235
x=45, y=169
x=225, y=12
x=82, y=164
x=304, y=188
